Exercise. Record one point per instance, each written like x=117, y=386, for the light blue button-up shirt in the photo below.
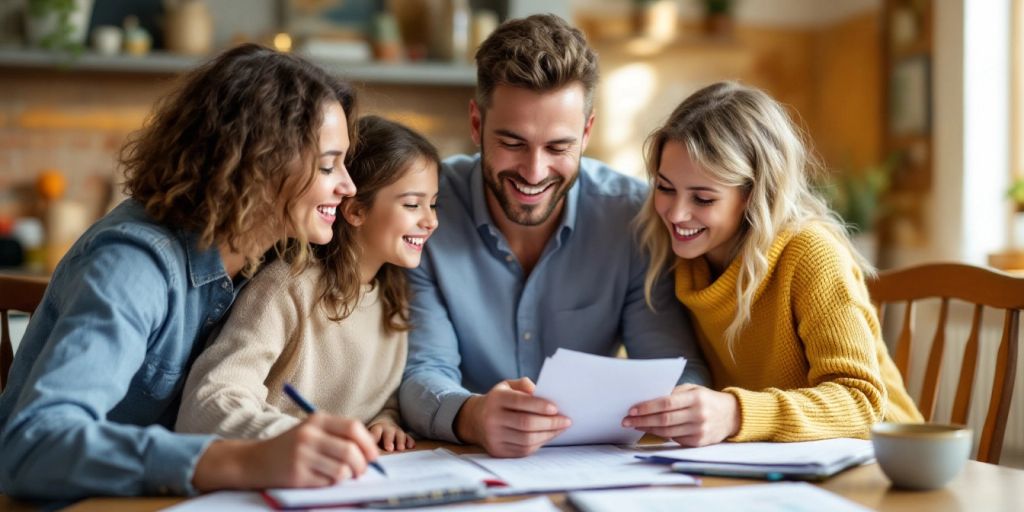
x=96, y=382
x=478, y=319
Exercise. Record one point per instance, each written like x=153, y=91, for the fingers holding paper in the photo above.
x=691, y=415
x=509, y=421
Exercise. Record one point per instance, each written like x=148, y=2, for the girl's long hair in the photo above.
x=386, y=151
x=742, y=138
x=230, y=150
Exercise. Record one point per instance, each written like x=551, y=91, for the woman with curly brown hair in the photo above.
x=245, y=158
x=338, y=331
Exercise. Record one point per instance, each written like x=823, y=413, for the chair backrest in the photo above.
x=17, y=293
x=976, y=285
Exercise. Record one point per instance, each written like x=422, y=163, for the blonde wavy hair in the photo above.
x=741, y=137
x=229, y=151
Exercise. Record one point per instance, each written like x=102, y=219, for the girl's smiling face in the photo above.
x=704, y=217
x=394, y=228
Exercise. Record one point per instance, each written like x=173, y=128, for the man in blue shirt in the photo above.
x=538, y=252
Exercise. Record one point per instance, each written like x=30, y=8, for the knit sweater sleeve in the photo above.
x=225, y=393
x=388, y=413
x=837, y=326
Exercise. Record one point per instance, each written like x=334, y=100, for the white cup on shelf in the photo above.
x=106, y=39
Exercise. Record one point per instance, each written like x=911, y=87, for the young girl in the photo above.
x=224, y=170
x=337, y=331
x=776, y=291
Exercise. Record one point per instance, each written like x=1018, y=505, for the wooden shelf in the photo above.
x=419, y=73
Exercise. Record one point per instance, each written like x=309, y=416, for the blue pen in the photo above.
x=309, y=409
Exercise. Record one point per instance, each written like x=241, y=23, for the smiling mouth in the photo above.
x=328, y=211
x=415, y=241
x=688, y=233
x=531, y=190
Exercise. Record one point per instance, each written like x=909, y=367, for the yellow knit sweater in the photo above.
x=811, y=363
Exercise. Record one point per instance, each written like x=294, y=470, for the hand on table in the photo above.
x=391, y=437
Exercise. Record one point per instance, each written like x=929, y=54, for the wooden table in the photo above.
x=980, y=486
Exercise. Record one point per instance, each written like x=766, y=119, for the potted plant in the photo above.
x=58, y=25
x=857, y=196
x=1016, y=195
x=718, y=17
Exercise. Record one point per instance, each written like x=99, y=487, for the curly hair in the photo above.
x=218, y=156
x=742, y=138
x=540, y=53
x=385, y=153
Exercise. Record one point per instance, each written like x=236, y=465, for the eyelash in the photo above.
x=516, y=145
x=696, y=199
x=327, y=170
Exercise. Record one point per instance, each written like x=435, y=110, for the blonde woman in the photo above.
x=775, y=289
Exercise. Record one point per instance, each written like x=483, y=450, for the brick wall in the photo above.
x=76, y=122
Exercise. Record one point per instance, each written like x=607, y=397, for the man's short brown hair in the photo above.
x=539, y=53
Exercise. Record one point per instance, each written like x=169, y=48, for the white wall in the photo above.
x=966, y=211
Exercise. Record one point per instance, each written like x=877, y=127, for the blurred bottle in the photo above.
x=450, y=31
x=189, y=27
x=137, y=40
x=65, y=219
x=28, y=231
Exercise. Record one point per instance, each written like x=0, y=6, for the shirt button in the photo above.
x=527, y=335
x=226, y=285
x=509, y=258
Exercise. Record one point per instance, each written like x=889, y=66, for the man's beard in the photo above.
x=529, y=214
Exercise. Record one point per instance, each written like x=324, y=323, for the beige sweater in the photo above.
x=275, y=334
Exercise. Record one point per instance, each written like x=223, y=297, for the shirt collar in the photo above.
x=204, y=265
x=482, y=216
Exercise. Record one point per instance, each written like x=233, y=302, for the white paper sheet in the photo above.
x=421, y=463
x=596, y=392
x=780, y=497
x=577, y=467
x=224, y=501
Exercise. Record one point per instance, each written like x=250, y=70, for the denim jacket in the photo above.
x=96, y=382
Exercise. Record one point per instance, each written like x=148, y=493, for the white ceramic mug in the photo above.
x=921, y=455
x=106, y=39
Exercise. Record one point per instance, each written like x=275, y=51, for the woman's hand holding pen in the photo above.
x=320, y=451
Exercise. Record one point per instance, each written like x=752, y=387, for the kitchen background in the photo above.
x=910, y=103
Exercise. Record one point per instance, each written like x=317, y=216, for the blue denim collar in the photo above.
x=204, y=265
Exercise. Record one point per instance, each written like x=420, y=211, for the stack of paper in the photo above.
x=576, y=467
x=811, y=460
x=596, y=392
x=781, y=497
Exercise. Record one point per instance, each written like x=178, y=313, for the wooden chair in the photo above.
x=982, y=287
x=16, y=294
